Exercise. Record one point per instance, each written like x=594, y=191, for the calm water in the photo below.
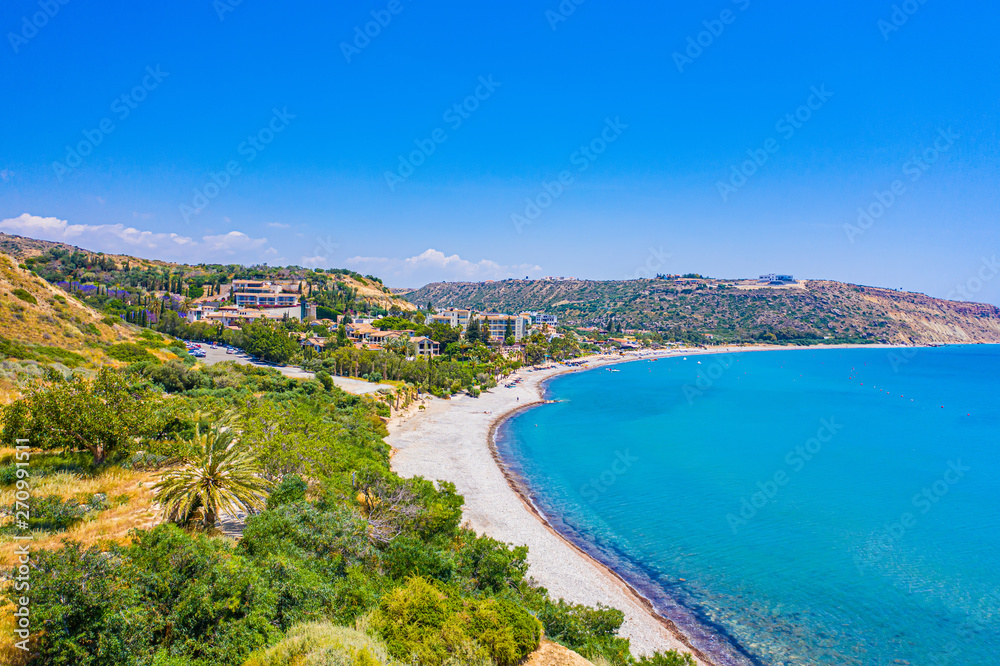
x=799, y=507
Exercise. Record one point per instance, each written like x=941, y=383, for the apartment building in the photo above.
x=496, y=322
x=263, y=294
x=233, y=315
x=454, y=317
x=426, y=347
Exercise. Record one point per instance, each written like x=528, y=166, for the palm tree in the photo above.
x=220, y=476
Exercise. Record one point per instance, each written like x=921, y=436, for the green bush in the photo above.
x=130, y=352
x=291, y=489
x=54, y=514
x=322, y=644
x=668, y=658
x=422, y=624
x=25, y=296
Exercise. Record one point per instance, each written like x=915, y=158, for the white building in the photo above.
x=262, y=294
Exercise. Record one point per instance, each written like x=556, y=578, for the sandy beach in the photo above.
x=451, y=440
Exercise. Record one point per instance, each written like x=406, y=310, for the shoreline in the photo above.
x=445, y=441
x=524, y=495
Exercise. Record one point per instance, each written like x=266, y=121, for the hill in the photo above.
x=61, y=262
x=733, y=310
x=44, y=328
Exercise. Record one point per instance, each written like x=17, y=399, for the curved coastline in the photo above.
x=454, y=440
x=521, y=489
x=524, y=492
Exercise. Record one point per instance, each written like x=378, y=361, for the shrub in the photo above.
x=25, y=296
x=291, y=489
x=668, y=658
x=53, y=514
x=130, y=352
x=422, y=624
x=322, y=644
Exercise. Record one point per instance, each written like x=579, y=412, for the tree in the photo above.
x=508, y=330
x=472, y=331
x=102, y=416
x=220, y=476
x=269, y=342
x=443, y=333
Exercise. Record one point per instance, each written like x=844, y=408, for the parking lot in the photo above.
x=218, y=355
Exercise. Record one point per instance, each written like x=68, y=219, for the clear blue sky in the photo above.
x=647, y=194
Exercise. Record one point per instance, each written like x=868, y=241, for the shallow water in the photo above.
x=788, y=507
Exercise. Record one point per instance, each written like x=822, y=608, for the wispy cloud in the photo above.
x=118, y=238
x=278, y=225
x=432, y=266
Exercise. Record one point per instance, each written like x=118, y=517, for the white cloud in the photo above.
x=278, y=225
x=233, y=242
x=433, y=266
x=6, y=174
x=118, y=238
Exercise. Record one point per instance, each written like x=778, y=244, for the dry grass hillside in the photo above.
x=36, y=312
x=42, y=327
x=376, y=294
x=367, y=289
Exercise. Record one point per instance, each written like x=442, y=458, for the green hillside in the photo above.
x=732, y=310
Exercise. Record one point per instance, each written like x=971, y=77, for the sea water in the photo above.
x=806, y=506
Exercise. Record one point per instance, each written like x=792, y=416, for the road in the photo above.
x=218, y=355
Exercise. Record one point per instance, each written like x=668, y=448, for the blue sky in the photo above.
x=602, y=140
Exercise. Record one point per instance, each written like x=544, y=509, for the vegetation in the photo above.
x=345, y=563
x=103, y=416
x=220, y=476
x=690, y=311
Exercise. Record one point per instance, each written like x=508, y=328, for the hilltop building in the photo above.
x=264, y=294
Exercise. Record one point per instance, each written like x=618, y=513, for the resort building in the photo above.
x=426, y=347
x=539, y=318
x=776, y=278
x=360, y=332
x=198, y=313
x=232, y=315
x=263, y=294
x=454, y=317
x=497, y=324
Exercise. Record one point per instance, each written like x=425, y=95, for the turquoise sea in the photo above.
x=787, y=507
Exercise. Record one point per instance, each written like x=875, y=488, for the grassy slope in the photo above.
x=54, y=321
x=822, y=307
x=21, y=247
